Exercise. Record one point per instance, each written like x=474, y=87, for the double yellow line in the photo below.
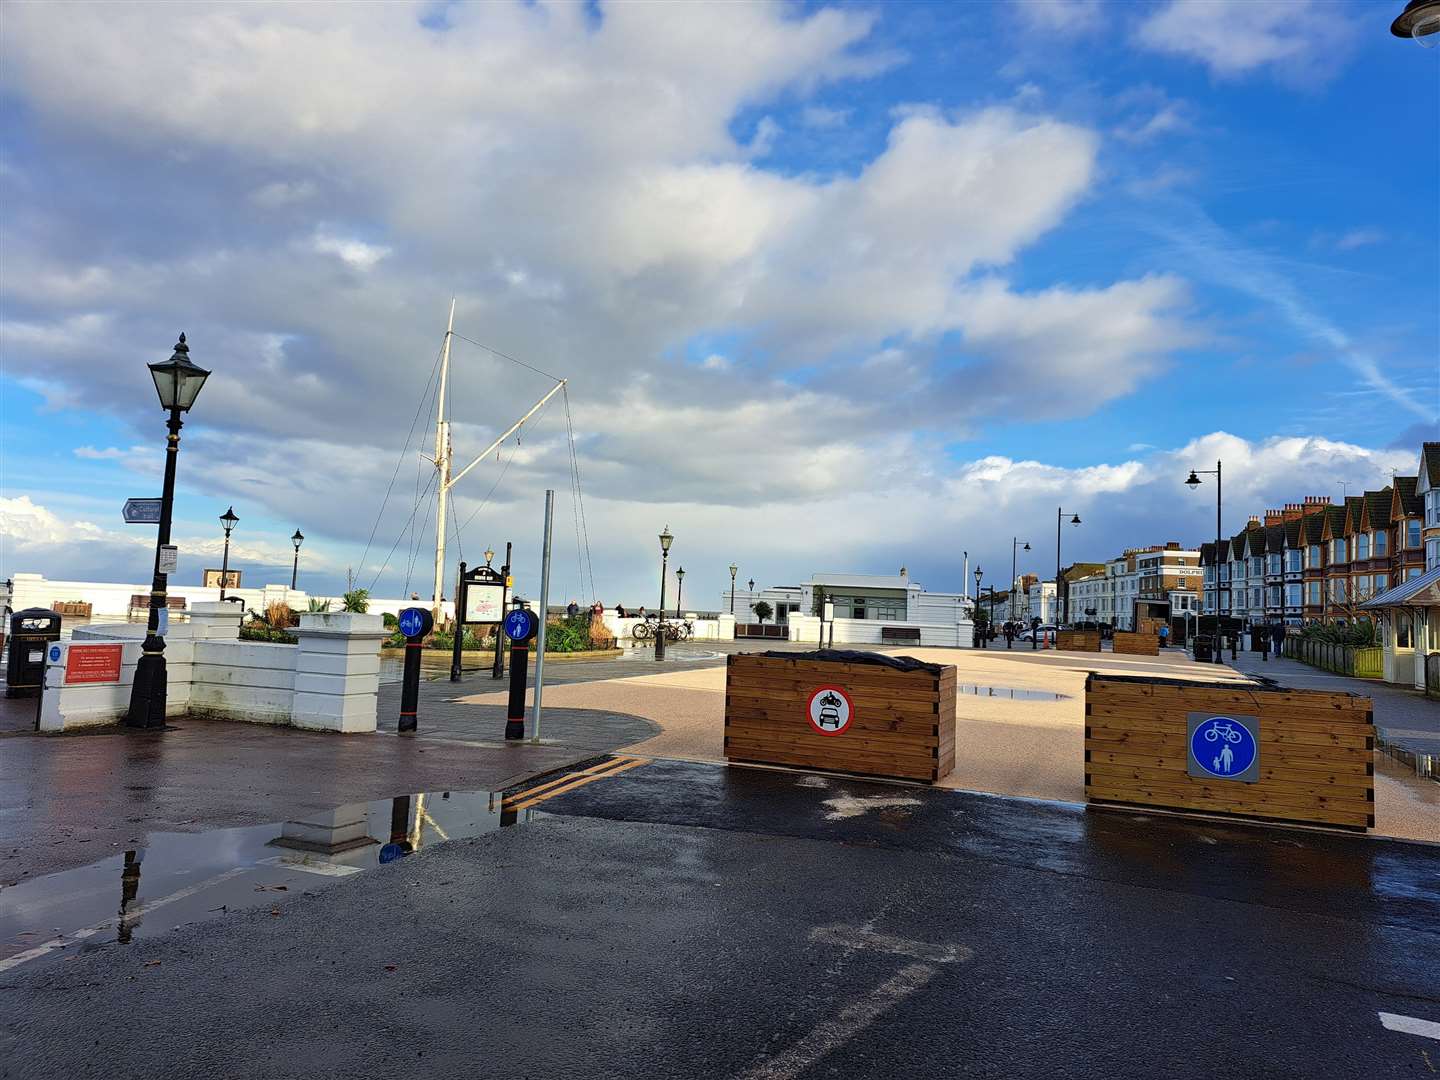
x=572, y=780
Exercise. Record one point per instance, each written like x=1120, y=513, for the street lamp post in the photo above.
x=1420, y=20
x=733, y=571
x=178, y=382
x=665, y=541
x=1193, y=482
x=1015, y=543
x=979, y=637
x=679, y=585
x=228, y=521
x=297, y=540
x=1061, y=604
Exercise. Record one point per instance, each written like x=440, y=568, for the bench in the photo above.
x=900, y=633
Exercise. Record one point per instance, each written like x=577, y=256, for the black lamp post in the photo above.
x=297, y=540
x=178, y=382
x=228, y=521
x=1015, y=543
x=733, y=571
x=665, y=541
x=1060, y=603
x=979, y=637
x=1193, y=482
x=1420, y=20
x=679, y=585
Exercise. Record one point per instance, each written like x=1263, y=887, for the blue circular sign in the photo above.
x=520, y=625
x=1224, y=747
x=412, y=621
x=391, y=852
x=54, y=654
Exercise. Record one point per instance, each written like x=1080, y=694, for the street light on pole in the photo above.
x=733, y=571
x=979, y=637
x=1015, y=543
x=1420, y=20
x=665, y=541
x=228, y=521
x=1059, y=518
x=297, y=540
x=178, y=382
x=679, y=586
x=1193, y=481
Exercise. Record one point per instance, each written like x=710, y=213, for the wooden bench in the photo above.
x=900, y=633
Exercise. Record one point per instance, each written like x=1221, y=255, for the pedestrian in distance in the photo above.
x=1164, y=635
x=1278, y=637
x=620, y=610
x=641, y=613
x=572, y=609
x=1009, y=636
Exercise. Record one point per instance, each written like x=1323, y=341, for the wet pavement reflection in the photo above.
x=178, y=878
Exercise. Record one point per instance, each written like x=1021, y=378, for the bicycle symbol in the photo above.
x=1216, y=730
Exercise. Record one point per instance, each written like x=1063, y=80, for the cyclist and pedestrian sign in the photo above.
x=1223, y=747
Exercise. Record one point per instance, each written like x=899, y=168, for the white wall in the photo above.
x=721, y=629
x=806, y=628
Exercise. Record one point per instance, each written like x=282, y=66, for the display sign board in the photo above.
x=169, y=558
x=211, y=579
x=93, y=664
x=142, y=511
x=1223, y=747
x=484, y=596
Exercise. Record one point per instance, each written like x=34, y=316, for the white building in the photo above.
x=1042, y=603
x=1170, y=574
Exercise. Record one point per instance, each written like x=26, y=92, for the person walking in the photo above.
x=1009, y=636
x=1164, y=635
x=572, y=609
x=1277, y=635
x=620, y=610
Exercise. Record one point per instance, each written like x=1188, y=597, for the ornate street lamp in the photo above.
x=178, y=382
x=679, y=585
x=1420, y=20
x=489, y=556
x=751, y=585
x=1074, y=520
x=665, y=541
x=297, y=540
x=1193, y=482
x=1015, y=543
x=733, y=570
x=228, y=521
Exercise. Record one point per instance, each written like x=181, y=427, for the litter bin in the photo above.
x=1204, y=644
x=31, y=631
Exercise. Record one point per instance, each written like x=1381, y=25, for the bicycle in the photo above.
x=642, y=631
x=1215, y=731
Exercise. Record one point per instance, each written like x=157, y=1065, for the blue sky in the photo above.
x=837, y=287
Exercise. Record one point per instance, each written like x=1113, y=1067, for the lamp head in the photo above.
x=297, y=539
x=1420, y=20
x=228, y=520
x=751, y=585
x=177, y=380
x=666, y=539
x=1192, y=481
x=680, y=573
x=1075, y=520
x=1026, y=548
x=489, y=556
x=733, y=571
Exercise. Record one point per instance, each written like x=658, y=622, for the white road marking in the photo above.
x=327, y=869
x=859, y=937
x=1410, y=1025
x=130, y=916
x=839, y=1028
x=849, y=806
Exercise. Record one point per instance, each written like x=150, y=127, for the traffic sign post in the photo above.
x=415, y=623
x=479, y=600
x=520, y=627
x=142, y=511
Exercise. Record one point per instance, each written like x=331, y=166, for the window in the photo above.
x=1412, y=532
x=1255, y=597
x=1337, y=551
x=1413, y=572
x=1362, y=545
x=1382, y=582
x=1337, y=590
x=1272, y=597
x=1292, y=560
x=1312, y=592
x=1272, y=563
x=1292, y=593
x=1432, y=553
x=1432, y=507
x=1360, y=586
x=1314, y=558
x=1257, y=565
x=1381, y=544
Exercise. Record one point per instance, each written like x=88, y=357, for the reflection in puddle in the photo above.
x=1012, y=693
x=178, y=878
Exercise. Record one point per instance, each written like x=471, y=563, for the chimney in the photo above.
x=1172, y=545
x=1274, y=517
x=1317, y=500
x=1253, y=523
x=1294, y=511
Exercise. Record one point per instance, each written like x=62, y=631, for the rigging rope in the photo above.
x=579, y=502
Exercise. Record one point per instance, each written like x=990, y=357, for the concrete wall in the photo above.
x=721, y=629
x=806, y=628
x=328, y=682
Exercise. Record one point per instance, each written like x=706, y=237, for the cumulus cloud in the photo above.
x=1060, y=16
x=1301, y=41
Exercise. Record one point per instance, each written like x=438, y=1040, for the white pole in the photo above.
x=544, y=610
x=442, y=465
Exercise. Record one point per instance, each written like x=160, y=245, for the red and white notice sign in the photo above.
x=92, y=664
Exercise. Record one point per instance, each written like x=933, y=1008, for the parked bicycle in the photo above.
x=679, y=630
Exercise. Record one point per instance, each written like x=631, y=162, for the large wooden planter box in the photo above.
x=900, y=724
x=1137, y=644
x=1078, y=640
x=1316, y=761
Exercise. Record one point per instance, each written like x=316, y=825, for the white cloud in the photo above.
x=352, y=252
x=1358, y=238
x=145, y=460
x=1060, y=16
x=280, y=193
x=1301, y=41
x=822, y=118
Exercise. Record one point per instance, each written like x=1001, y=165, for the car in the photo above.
x=1047, y=633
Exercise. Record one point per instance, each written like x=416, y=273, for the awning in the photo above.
x=1422, y=591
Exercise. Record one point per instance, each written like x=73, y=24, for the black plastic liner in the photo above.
x=850, y=656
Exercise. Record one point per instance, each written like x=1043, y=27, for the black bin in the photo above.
x=31, y=632
x=1204, y=648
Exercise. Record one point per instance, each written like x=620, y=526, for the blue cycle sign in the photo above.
x=1223, y=747
x=415, y=622
x=520, y=625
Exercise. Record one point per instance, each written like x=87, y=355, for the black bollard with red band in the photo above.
x=415, y=623
x=520, y=626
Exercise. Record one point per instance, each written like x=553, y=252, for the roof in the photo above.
x=1314, y=528
x=1257, y=540
x=1430, y=458
x=1292, y=533
x=861, y=581
x=1377, y=507
x=1274, y=537
x=1207, y=553
x=1405, y=592
x=1410, y=503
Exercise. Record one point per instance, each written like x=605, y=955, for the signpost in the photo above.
x=520, y=627
x=169, y=558
x=480, y=598
x=415, y=623
x=142, y=511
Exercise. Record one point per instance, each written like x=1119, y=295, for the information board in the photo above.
x=484, y=603
x=93, y=664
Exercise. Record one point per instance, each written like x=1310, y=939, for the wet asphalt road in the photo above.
x=683, y=920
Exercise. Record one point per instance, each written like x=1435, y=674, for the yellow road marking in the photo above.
x=602, y=768
x=579, y=780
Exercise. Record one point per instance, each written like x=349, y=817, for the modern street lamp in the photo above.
x=1015, y=543
x=679, y=585
x=228, y=521
x=178, y=382
x=1420, y=20
x=665, y=541
x=733, y=571
x=297, y=540
x=1059, y=518
x=1193, y=482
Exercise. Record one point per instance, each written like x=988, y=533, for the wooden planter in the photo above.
x=897, y=724
x=1316, y=761
x=1078, y=640
x=1137, y=644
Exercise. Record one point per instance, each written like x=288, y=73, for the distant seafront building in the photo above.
x=855, y=596
x=1160, y=581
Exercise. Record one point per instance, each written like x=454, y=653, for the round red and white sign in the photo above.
x=831, y=710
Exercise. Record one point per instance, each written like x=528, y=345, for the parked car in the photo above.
x=1047, y=634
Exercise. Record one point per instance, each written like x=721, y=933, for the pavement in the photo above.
x=673, y=919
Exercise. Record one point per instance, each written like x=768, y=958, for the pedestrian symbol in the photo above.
x=1223, y=747
x=830, y=710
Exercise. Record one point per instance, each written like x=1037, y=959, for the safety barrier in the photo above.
x=1360, y=661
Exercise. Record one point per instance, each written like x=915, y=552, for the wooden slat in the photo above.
x=1162, y=720
x=1324, y=770
x=1279, y=787
x=1173, y=800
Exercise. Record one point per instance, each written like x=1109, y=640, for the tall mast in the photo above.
x=442, y=465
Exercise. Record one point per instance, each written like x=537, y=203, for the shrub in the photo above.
x=357, y=601
x=763, y=610
x=317, y=605
x=256, y=630
x=278, y=614
x=1361, y=634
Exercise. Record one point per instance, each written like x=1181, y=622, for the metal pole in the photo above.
x=148, y=691
x=660, y=624
x=498, y=671
x=1218, y=659
x=295, y=570
x=544, y=613
x=459, y=624
x=732, y=592
x=442, y=464
x=1059, y=514
x=1014, y=543
x=679, y=586
x=225, y=565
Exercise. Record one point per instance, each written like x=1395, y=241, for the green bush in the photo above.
x=261, y=631
x=1361, y=634
x=568, y=634
x=391, y=621
x=357, y=601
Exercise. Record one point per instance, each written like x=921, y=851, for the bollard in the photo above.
x=415, y=623
x=520, y=627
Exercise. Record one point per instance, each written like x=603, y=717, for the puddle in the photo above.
x=178, y=878
x=1013, y=693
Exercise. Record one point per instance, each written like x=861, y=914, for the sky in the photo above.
x=836, y=287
